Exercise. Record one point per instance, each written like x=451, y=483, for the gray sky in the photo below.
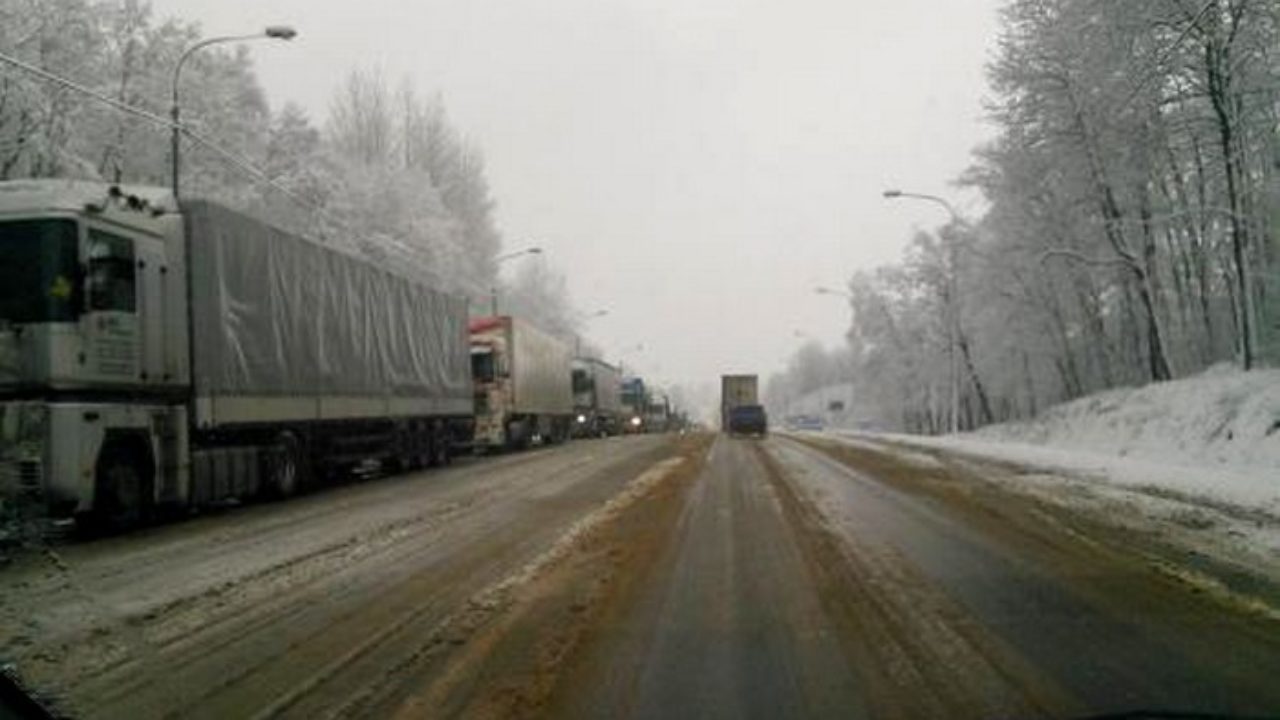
x=695, y=167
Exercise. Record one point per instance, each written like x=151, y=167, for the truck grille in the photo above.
x=21, y=475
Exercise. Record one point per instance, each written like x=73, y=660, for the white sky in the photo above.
x=696, y=167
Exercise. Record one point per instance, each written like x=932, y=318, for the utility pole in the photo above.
x=274, y=32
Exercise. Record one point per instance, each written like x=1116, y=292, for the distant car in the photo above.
x=748, y=420
x=807, y=422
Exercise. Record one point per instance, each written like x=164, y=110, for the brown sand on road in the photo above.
x=640, y=577
x=302, y=608
x=510, y=665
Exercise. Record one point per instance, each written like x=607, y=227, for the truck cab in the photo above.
x=491, y=377
x=93, y=348
x=635, y=405
x=596, y=398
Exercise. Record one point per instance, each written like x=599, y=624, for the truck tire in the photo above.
x=441, y=453
x=287, y=468
x=518, y=435
x=122, y=489
x=407, y=452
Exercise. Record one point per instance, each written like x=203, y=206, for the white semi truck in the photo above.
x=155, y=355
x=597, y=398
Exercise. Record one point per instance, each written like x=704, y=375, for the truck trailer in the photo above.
x=736, y=391
x=155, y=354
x=657, y=418
x=523, y=384
x=597, y=398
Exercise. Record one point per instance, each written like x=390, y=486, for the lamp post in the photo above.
x=952, y=300
x=627, y=353
x=274, y=32
x=493, y=291
x=831, y=291
x=577, y=337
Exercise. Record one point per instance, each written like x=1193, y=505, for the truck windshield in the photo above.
x=482, y=365
x=39, y=271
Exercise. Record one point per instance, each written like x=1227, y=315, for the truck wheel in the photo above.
x=407, y=449
x=518, y=435
x=426, y=446
x=440, y=450
x=122, y=491
x=285, y=476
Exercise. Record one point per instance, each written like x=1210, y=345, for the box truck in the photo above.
x=740, y=404
x=523, y=384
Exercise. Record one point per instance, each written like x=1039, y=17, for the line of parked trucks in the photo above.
x=154, y=355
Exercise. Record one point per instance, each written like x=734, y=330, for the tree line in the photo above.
x=1132, y=220
x=386, y=174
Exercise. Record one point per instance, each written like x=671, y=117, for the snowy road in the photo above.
x=643, y=577
x=288, y=608
x=857, y=583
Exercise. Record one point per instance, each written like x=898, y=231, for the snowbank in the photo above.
x=1223, y=417
x=1213, y=436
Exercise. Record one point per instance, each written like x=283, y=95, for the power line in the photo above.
x=228, y=156
x=397, y=246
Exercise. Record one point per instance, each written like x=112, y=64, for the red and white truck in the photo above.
x=523, y=384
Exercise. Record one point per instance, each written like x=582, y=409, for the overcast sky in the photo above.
x=696, y=167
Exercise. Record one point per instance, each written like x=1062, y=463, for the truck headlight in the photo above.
x=582, y=419
x=23, y=426
x=635, y=421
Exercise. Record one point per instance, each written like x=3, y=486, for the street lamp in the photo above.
x=952, y=326
x=577, y=337
x=894, y=194
x=626, y=353
x=518, y=253
x=273, y=32
x=493, y=291
x=831, y=291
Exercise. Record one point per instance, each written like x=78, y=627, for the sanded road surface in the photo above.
x=302, y=608
x=656, y=577
x=854, y=583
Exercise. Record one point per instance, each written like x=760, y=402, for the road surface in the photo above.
x=641, y=577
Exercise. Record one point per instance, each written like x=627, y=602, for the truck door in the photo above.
x=110, y=320
x=152, y=276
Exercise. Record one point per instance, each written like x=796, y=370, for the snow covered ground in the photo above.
x=1213, y=437
x=1193, y=462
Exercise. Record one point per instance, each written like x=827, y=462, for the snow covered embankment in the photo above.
x=1214, y=436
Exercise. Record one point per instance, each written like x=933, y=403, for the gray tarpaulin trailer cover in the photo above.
x=287, y=329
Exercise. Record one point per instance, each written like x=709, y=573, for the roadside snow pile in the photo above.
x=1224, y=417
x=1215, y=436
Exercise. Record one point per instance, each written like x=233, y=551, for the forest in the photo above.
x=385, y=174
x=1131, y=214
